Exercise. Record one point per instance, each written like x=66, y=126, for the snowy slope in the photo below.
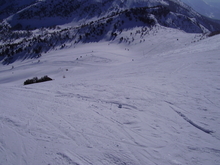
x=208, y=9
x=80, y=21
x=155, y=101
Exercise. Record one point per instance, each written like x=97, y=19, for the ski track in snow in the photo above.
x=190, y=121
x=115, y=106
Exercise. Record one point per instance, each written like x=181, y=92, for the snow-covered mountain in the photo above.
x=50, y=24
x=57, y=12
x=10, y=7
x=208, y=9
x=133, y=83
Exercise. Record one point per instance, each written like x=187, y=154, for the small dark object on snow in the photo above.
x=36, y=80
x=119, y=106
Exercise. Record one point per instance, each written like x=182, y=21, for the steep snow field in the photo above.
x=205, y=7
x=156, y=101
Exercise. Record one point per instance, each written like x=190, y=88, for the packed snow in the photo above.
x=155, y=101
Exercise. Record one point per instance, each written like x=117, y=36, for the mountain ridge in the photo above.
x=56, y=12
x=208, y=9
x=93, y=22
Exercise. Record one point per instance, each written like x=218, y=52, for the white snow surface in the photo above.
x=154, y=102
